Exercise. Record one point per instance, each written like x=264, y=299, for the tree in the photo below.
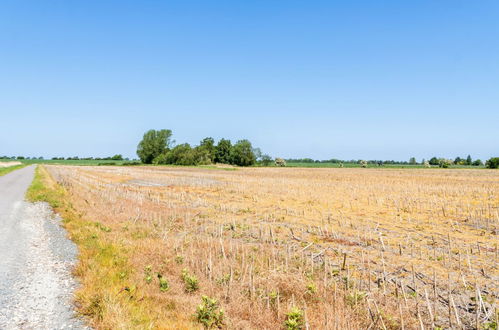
x=153, y=144
x=179, y=155
x=258, y=153
x=492, y=162
x=242, y=154
x=266, y=160
x=412, y=161
x=117, y=157
x=457, y=160
x=222, y=151
x=433, y=161
x=477, y=162
x=207, y=145
x=468, y=160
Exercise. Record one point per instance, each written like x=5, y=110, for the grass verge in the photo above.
x=104, y=298
x=5, y=170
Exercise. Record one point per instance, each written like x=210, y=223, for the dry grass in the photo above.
x=352, y=248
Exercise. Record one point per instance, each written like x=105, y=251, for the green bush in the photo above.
x=208, y=313
x=492, y=162
x=477, y=162
x=444, y=163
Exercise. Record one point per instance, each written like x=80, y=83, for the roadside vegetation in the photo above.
x=103, y=299
x=5, y=170
x=180, y=247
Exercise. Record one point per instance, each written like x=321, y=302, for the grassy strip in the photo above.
x=5, y=170
x=104, y=298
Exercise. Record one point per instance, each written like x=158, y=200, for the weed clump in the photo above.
x=163, y=283
x=148, y=274
x=179, y=259
x=294, y=319
x=209, y=315
x=355, y=297
x=190, y=281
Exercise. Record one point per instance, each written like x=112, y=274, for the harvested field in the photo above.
x=351, y=248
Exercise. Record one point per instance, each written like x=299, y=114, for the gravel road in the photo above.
x=36, y=259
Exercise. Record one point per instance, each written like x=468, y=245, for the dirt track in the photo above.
x=35, y=261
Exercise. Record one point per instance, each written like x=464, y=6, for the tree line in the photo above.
x=434, y=161
x=158, y=147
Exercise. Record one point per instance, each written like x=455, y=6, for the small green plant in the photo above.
x=179, y=259
x=224, y=279
x=311, y=289
x=148, y=274
x=190, y=281
x=208, y=313
x=355, y=297
x=273, y=297
x=163, y=283
x=489, y=326
x=294, y=319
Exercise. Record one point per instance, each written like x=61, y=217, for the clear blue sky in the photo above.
x=320, y=79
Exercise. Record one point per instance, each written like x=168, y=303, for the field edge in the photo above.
x=101, y=299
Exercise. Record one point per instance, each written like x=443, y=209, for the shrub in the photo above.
x=190, y=281
x=208, y=313
x=280, y=162
x=363, y=163
x=477, y=162
x=132, y=163
x=294, y=319
x=444, y=163
x=492, y=162
x=433, y=161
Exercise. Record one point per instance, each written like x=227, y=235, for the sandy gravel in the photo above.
x=36, y=260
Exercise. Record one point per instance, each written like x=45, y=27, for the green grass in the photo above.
x=5, y=170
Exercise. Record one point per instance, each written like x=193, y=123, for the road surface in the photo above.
x=35, y=261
